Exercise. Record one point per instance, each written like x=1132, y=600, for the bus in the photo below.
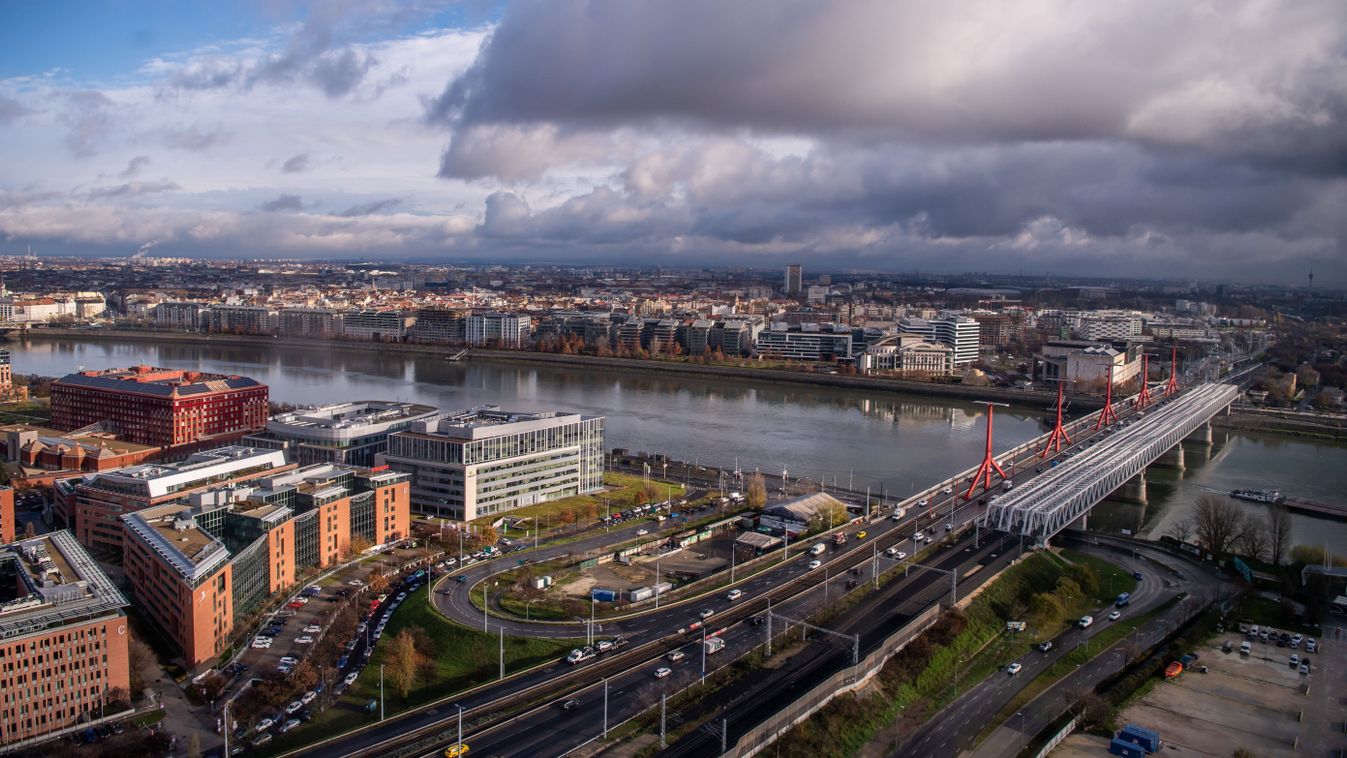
x=1123, y=600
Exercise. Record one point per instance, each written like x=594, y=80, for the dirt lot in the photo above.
x=1243, y=702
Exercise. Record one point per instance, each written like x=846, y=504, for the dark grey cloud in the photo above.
x=283, y=203
x=371, y=208
x=195, y=138
x=133, y=189
x=295, y=164
x=1257, y=79
x=134, y=167
x=12, y=110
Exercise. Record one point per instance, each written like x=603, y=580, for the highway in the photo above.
x=1165, y=575
x=654, y=632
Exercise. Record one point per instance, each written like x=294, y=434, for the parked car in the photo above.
x=264, y=725
x=293, y=707
x=304, y=640
x=312, y=629
x=308, y=697
x=356, y=583
x=351, y=677
x=287, y=726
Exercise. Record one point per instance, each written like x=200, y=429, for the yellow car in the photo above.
x=860, y=535
x=455, y=750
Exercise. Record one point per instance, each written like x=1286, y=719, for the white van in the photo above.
x=734, y=595
x=1086, y=621
x=818, y=549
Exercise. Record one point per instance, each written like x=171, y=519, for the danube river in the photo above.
x=888, y=441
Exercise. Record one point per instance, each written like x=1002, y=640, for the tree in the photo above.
x=359, y=544
x=402, y=664
x=1085, y=576
x=143, y=664
x=757, y=491
x=1218, y=524
x=1278, y=532
x=425, y=655
x=1181, y=529
x=377, y=581
x=29, y=530
x=1254, y=539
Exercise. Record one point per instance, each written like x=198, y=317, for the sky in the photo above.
x=1149, y=138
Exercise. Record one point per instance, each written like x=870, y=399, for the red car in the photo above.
x=294, y=605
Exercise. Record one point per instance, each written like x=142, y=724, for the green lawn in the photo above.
x=621, y=489
x=1113, y=580
x=462, y=658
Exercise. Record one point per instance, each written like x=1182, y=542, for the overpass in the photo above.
x=1048, y=503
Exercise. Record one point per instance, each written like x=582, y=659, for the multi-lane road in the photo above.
x=499, y=717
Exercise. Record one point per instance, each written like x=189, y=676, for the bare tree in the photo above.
x=1254, y=539
x=1218, y=524
x=1279, y=532
x=1181, y=529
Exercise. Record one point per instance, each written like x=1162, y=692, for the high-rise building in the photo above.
x=486, y=461
x=960, y=333
x=63, y=637
x=794, y=280
x=199, y=568
x=175, y=410
x=347, y=433
x=90, y=506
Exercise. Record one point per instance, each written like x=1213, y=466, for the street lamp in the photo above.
x=381, y=692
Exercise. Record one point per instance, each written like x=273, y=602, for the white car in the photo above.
x=308, y=697
x=301, y=599
x=1014, y=668
x=261, y=643
x=894, y=552
x=924, y=502
x=814, y=564
x=290, y=660
x=662, y=672
x=304, y=640
x=1115, y=615
x=351, y=677
x=734, y=595
x=706, y=614
x=675, y=656
x=293, y=707
x=356, y=583
x=918, y=537
x=642, y=532
x=948, y=490
x=265, y=724
x=313, y=629
x=287, y=726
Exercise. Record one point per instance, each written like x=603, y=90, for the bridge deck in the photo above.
x=1049, y=502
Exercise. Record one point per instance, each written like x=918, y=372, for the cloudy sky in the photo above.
x=1150, y=137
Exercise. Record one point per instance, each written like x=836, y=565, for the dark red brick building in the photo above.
x=177, y=411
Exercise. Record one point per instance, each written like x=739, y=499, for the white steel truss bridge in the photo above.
x=1046, y=504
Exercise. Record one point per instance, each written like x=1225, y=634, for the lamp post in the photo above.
x=459, y=748
x=381, y=692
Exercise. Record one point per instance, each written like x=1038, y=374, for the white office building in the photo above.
x=960, y=333
x=486, y=461
x=505, y=329
x=350, y=434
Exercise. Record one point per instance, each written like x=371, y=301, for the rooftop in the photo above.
x=490, y=421
x=160, y=382
x=357, y=416
x=55, y=583
x=171, y=531
x=158, y=479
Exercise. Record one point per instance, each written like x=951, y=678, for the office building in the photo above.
x=794, y=280
x=499, y=329
x=201, y=567
x=959, y=333
x=347, y=433
x=178, y=411
x=486, y=461
x=63, y=637
x=90, y=506
x=805, y=342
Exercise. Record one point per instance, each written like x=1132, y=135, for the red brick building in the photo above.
x=63, y=638
x=177, y=411
x=6, y=515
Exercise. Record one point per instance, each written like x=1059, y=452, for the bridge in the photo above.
x=1051, y=501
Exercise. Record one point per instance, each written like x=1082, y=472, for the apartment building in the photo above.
x=805, y=342
x=63, y=637
x=377, y=326
x=486, y=461
x=90, y=506
x=201, y=568
x=504, y=329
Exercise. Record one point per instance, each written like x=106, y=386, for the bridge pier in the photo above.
x=1133, y=490
x=1172, y=458
x=1202, y=436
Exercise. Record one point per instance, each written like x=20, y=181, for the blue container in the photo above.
x=1148, y=739
x=1124, y=748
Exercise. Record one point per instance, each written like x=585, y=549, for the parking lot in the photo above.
x=1258, y=702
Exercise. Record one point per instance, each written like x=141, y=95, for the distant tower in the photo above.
x=1311, y=288
x=794, y=280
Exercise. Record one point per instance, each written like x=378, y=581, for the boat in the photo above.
x=1258, y=496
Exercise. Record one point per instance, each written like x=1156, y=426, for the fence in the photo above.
x=1058, y=737
x=849, y=678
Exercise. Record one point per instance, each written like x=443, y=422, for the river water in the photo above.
x=891, y=442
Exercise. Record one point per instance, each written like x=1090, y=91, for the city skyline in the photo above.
x=1134, y=139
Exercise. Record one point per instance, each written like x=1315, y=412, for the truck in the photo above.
x=818, y=549
x=714, y=645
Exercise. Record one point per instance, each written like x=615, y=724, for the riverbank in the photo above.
x=1298, y=425
x=1025, y=398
